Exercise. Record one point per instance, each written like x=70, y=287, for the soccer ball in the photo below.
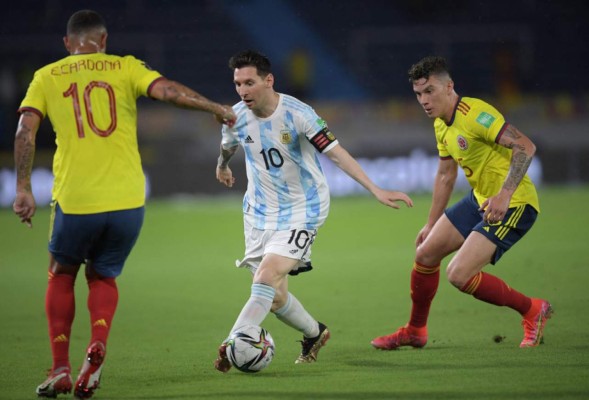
x=250, y=348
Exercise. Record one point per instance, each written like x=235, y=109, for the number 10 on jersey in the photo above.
x=86, y=104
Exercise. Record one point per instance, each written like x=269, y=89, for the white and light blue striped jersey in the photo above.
x=286, y=185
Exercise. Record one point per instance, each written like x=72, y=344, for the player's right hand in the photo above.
x=422, y=235
x=225, y=176
x=24, y=207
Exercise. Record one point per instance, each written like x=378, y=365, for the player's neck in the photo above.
x=269, y=106
x=453, y=101
x=87, y=45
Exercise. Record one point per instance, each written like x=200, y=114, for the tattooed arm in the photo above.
x=224, y=173
x=182, y=96
x=24, y=152
x=523, y=150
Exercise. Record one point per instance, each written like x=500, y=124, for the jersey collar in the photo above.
x=454, y=112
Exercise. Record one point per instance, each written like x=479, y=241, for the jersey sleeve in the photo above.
x=442, y=150
x=143, y=76
x=34, y=99
x=229, y=135
x=317, y=131
x=487, y=123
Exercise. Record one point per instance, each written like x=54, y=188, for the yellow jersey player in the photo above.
x=99, y=189
x=501, y=207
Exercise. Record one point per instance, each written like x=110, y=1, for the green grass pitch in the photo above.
x=180, y=294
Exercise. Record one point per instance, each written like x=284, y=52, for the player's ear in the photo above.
x=269, y=80
x=66, y=43
x=103, y=38
x=450, y=85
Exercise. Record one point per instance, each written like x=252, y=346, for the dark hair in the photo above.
x=251, y=58
x=431, y=65
x=83, y=21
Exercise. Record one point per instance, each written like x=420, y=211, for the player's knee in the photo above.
x=279, y=301
x=455, y=276
x=424, y=256
x=268, y=276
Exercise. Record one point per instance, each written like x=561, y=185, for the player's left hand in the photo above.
x=495, y=207
x=389, y=198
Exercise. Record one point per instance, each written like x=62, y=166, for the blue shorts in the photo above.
x=105, y=238
x=466, y=217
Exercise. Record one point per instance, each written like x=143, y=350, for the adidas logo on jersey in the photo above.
x=249, y=139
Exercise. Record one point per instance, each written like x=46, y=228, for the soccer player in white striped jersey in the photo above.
x=287, y=197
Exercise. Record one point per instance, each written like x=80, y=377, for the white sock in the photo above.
x=294, y=315
x=257, y=307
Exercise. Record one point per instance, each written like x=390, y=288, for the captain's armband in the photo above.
x=323, y=139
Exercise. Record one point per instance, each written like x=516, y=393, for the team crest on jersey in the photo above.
x=285, y=136
x=462, y=143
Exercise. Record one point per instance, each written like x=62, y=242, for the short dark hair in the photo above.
x=83, y=21
x=431, y=65
x=251, y=58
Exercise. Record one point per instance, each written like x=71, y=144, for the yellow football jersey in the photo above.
x=471, y=140
x=91, y=101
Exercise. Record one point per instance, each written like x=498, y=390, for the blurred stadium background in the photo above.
x=348, y=59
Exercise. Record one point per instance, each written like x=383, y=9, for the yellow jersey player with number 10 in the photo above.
x=91, y=101
x=99, y=189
